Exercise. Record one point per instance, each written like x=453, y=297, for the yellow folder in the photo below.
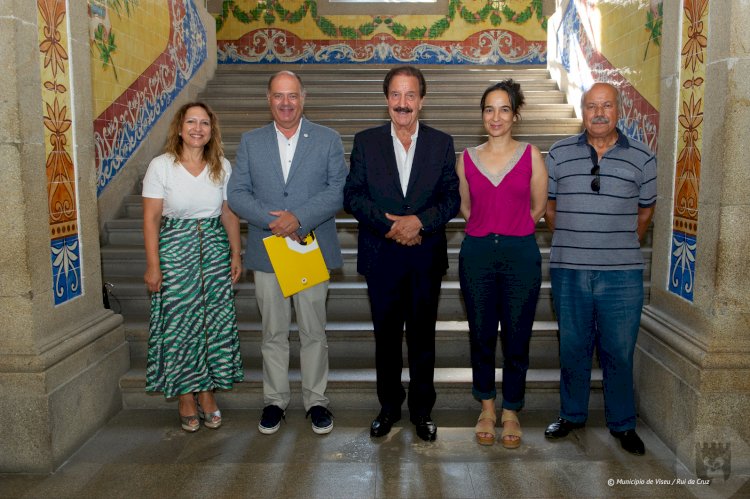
x=298, y=266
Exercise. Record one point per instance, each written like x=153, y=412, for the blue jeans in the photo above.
x=599, y=308
x=500, y=280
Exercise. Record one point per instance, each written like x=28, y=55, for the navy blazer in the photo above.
x=373, y=189
x=313, y=190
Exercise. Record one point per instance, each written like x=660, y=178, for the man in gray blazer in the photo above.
x=288, y=180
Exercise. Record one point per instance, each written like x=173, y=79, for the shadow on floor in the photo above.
x=143, y=453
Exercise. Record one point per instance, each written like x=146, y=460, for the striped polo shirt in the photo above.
x=597, y=230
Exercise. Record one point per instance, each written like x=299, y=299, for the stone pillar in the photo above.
x=61, y=352
x=693, y=358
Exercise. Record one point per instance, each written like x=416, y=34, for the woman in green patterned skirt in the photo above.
x=193, y=247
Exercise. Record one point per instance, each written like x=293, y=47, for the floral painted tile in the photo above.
x=689, y=148
x=59, y=167
x=66, y=269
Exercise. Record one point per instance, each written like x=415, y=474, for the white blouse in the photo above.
x=184, y=195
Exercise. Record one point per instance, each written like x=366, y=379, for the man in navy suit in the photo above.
x=288, y=180
x=403, y=190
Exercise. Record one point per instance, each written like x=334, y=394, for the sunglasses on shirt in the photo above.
x=595, y=183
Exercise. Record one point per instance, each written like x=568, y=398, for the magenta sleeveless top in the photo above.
x=500, y=204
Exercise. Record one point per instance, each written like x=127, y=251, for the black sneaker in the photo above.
x=270, y=421
x=322, y=419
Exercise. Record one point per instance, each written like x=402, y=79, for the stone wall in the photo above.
x=61, y=352
x=693, y=367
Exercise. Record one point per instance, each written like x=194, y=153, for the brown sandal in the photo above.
x=510, y=443
x=485, y=426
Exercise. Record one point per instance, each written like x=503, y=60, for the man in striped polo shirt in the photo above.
x=602, y=192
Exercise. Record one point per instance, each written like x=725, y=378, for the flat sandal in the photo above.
x=510, y=432
x=483, y=426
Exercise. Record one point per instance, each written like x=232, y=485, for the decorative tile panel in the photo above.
x=689, y=147
x=267, y=46
x=583, y=60
x=128, y=117
x=468, y=32
x=60, y=166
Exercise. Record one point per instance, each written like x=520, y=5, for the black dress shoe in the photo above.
x=382, y=424
x=630, y=441
x=561, y=428
x=426, y=428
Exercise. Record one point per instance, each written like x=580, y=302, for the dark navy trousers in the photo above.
x=500, y=281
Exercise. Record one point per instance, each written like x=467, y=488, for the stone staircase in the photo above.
x=349, y=99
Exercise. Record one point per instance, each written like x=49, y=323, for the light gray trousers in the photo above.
x=276, y=316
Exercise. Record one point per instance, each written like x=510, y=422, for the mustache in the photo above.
x=600, y=120
x=400, y=109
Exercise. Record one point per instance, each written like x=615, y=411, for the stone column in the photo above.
x=61, y=352
x=693, y=358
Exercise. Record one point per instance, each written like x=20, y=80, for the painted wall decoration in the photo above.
x=654, y=21
x=57, y=100
x=689, y=147
x=626, y=53
x=470, y=32
x=102, y=38
x=143, y=54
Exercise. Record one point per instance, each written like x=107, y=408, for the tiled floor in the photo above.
x=141, y=454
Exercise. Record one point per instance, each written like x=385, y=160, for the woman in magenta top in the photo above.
x=503, y=185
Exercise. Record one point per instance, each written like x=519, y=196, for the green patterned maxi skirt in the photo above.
x=193, y=343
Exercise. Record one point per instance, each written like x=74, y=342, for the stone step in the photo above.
x=356, y=76
x=461, y=113
x=130, y=261
x=355, y=389
x=129, y=232
x=230, y=149
x=453, y=126
x=460, y=141
x=352, y=345
x=347, y=301
x=124, y=231
x=221, y=100
x=245, y=85
x=430, y=71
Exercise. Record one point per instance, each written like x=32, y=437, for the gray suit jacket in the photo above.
x=313, y=191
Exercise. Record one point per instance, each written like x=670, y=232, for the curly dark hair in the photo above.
x=213, y=151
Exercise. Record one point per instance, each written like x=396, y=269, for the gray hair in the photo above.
x=613, y=87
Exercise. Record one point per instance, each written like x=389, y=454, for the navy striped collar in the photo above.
x=622, y=139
